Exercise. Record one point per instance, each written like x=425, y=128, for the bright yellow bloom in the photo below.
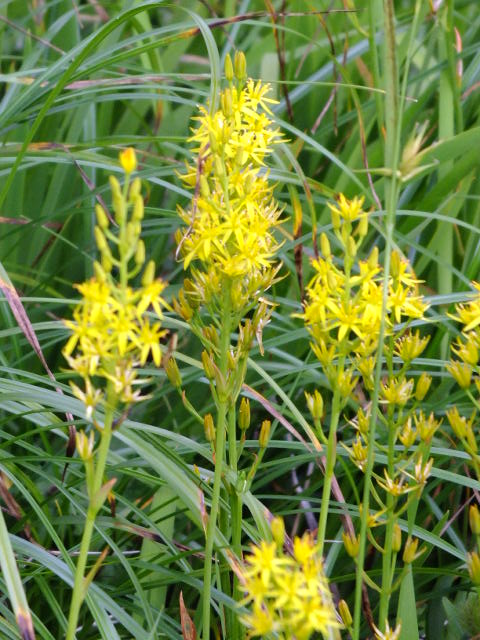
x=289, y=595
x=111, y=335
x=228, y=240
x=128, y=160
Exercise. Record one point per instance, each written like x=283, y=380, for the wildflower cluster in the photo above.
x=343, y=311
x=228, y=245
x=228, y=240
x=288, y=594
x=111, y=333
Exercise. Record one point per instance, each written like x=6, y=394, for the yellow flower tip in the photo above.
x=128, y=160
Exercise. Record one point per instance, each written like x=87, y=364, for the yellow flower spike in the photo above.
x=128, y=160
x=289, y=595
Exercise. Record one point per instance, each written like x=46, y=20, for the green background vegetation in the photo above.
x=81, y=80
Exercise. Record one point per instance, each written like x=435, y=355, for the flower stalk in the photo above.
x=111, y=337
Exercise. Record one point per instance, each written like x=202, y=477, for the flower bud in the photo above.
x=84, y=445
x=345, y=614
x=227, y=102
x=208, y=365
x=351, y=247
x=107, y=263
x=228, y=68
x=373, y=258
x=100, y=239
x=244, y=414
x=315, y=404
x=410, y=552
x=423, y=385
x=135, y=189
x=99, y=271
x=149, y=274
x=240, y=65
x=397, y=538
x=140, y=253
x=173, y=372
x=474, y=519
x=473, y=566
x=209, y=427
x=362, y=227
x=325, y=246
x=128, y=160
x=204, y=186
x=264, y=434
x=138, y=209
x=335, y=219
x=219, y=167
x=278, y=531
x=102, y=218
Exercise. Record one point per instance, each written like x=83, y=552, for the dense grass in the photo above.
x=82, y=80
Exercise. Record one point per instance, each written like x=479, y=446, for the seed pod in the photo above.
x=209, y=427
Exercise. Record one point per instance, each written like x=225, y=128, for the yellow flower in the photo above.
x=349, y=210
x=289, y=595
x=128, y=160
x=109, y=334
x=228, y=233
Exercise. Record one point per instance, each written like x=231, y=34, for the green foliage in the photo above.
x=81, y=81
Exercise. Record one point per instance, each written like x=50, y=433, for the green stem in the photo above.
x=387, y=573
x=391, y=196
x=236, y=514
x=79, y=592
x=222, y=408
x=329, y=468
